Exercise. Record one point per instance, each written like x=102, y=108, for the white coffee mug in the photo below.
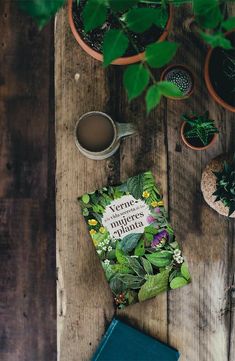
x=120, y=130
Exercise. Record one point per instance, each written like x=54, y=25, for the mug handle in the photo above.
x=125, y=129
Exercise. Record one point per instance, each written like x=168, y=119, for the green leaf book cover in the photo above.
x=134, y=240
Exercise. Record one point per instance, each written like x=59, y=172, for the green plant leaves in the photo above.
x=136, y=78
x=122, y=5
x=168, y=88
x=229, y=24
x=86, y=198
x=140, y=250
x=154, y=285
x=185, y=271
x=115, y=45
x=147, y=266
x=159, y=54
x=160, y=259
x=215, y=40
x=141, y=19
x=153, y=97
x=94, y=14
x=129, y=242
x=208, y=13
x=41, y=10
x=178, y=282
x=135, y=185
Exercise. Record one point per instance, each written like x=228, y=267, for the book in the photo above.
x=122, y=342
x=134, y=241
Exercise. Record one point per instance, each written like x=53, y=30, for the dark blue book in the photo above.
x=122, y=342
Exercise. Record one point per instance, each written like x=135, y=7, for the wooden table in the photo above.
x=199, y=319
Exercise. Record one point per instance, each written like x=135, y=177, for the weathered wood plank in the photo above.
x=80, y=276
x=27, y=217
x=200, y=310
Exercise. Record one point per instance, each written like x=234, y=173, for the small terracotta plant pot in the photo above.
x=186, y=141
x=184, y=78
x=120, y=61
x=208, y=81
x=208, y=185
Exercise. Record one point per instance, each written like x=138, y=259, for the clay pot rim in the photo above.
x=120, y=61
x=209, y=85
x=184, y=139
x=185, y=67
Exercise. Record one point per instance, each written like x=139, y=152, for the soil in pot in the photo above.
x=94, y=38
x=222, y=72
x=196, y=142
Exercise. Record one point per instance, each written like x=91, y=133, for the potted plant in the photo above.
x=218, y=185
x=144, y=22
x=220, y=73
x=124, y=38
x=182, y=77
x=198, y=132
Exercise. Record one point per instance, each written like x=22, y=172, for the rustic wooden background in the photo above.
x=198, y=319
x=27, y=224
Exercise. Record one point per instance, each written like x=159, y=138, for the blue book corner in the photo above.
x=122, y=342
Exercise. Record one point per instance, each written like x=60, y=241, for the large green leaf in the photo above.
x=168, y=88
x=185, y=271
x=208, y=13
x=135, y=265
x=160, y=259
x=215, y=40
x=139, y=249
x=229, y=24
x=41, y=10
x=147, y=266
x=153, y=97
x=129, y=242
x=122, y=5
x=125, y=282
x=114, y=45
x=136, y=78
x=135, y=185
x=159, y=54
x=141, y=19
x=154, y=285
x=85, y=198
x=121, y=257
x=94, y=14
x=178, y=282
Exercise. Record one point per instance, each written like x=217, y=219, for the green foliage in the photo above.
x=129, y=242
x=201, y=127
x=178, y=282
x=154, y=285
x=94, y=14
x=149, y=186
x=136, y=78
x=135, y=185
x=160, y=259
x=159, y=54
x=225, y=186
x=114, y=46
x=139, y=20
x=185, y=271
x=41, y=10
x=229, y=24
x=122, y=5
x=208, y=13
x=216, y=40
x=86, y=198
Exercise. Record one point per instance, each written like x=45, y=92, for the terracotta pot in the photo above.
x=208, y=184
x=184, y=67
x=186, y=142
x=120, y=61
x=209, y=85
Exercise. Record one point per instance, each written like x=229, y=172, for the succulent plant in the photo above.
x=200, y=127
x=225, y=186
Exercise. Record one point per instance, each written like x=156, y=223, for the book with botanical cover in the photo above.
x=122, y=342
x=134, y=240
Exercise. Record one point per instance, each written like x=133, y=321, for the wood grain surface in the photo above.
x=27, y=215
x=199, y=319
